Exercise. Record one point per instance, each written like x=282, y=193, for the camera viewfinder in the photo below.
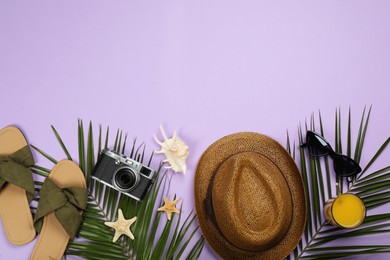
x=145, y=171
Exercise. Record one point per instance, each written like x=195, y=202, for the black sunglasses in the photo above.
x=344, y=166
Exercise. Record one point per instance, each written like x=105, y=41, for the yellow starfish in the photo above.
x=169, y=207
x=121, y=226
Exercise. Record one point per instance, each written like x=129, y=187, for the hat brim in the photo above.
x=210, y=162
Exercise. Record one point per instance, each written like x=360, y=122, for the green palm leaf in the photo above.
x=152, y=231
x=372, y=187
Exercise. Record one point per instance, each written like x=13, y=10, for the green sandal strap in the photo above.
x=14, y=169
x=66, y=203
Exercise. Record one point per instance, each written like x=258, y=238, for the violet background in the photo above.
x=204, y=68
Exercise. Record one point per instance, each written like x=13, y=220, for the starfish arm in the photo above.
x=110, y=224
x=129, y=234
x=120, y=215
x=161, y=208
x=132, y=220
x=116, y=236
x=176, y=211
x=169, y=215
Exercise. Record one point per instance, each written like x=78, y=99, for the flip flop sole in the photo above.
x=53, y=239
x=14, y=207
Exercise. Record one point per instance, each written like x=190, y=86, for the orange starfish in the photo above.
x=169, y=207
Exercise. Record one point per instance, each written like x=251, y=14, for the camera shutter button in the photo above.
x=129, y=162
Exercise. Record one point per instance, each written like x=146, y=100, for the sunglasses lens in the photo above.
x=345, y=166
x=316, y=144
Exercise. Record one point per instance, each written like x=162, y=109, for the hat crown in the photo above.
x=251, y=201
x=212, y=184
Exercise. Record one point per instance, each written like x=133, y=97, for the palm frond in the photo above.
x=103, y=204
x=61, y=143
x=372, y=187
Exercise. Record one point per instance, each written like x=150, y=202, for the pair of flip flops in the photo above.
x=63, y=196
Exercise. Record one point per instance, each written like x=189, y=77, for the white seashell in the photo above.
x=175, y=150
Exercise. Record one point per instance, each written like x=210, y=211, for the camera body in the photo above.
x=124, y=174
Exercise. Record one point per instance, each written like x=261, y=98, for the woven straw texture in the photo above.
x=258, y=198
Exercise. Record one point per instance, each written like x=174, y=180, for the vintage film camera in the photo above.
x=123, y=174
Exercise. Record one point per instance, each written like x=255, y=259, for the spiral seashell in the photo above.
x=175, y=150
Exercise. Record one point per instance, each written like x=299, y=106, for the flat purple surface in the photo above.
x=204, y=68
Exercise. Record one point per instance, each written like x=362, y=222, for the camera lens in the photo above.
x=125, y=179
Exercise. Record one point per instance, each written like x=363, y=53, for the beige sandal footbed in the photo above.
x=14, y=207
x=53, y=238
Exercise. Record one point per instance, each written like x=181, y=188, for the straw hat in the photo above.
x=249, y=198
